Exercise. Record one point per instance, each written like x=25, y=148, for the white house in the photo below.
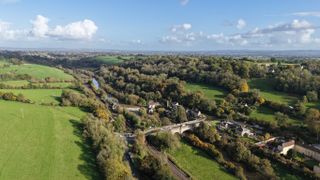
x=286, y=146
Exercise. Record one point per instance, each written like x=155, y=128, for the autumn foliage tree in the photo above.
x=244, y=87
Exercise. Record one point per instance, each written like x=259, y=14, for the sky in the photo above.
x=162, y=25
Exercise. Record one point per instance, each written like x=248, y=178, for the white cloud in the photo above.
x=181, y=27
x=8, y=34
x=171, y=39
x=80, y=30
x=241, y=24
x=40, y=26
x=308, y=13
x=184, y=2
x=297, y=33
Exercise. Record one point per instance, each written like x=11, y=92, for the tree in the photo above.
x=282, y=119
x=261, y=100
x=312, y=96
x=181, y=115
x=120, y=123
x=304, y=99
x=313, y=121
x=300, y=108
x=267, y=136
x=292, y=154
x=267, y=169
x=102, y=113
x=244, y=87
x=132, y=99
x=164, y=141
x=207, y=133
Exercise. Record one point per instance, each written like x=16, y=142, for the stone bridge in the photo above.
x=176, y=128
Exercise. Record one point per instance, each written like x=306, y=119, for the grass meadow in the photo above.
x=41, y=142
x=36, y=71
x=199, y=164
x=38, y=95
x=211, y=92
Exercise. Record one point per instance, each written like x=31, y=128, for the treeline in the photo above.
x=149, y=166
x=110, y=149
x=224, y=72
x=9, y=96
x=299, y=81
x=73, y=98
x=13, y=76
x=32, y=86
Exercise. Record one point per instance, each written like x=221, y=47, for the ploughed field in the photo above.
x=42, y=141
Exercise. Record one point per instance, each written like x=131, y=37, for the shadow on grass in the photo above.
x=89, y=168
x=265, y=110
x=57, y=98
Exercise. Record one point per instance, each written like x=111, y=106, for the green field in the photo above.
x=38, y=95
x=266, y=114
x=266, y=90
x=211, y=92
x=40, y=142
x=37, y=71
x=113, y=59
x=198, y=163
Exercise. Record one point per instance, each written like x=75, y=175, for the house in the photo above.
x=152, y=105
x=243, y=131
x=193, y=114
x=172, y=105
x=95, y=84
x=312, y=151
x=225, y=125
x=284, y=147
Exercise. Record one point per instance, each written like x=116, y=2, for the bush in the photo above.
x=164, y=141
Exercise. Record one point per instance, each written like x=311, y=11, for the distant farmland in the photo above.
x=113, y=59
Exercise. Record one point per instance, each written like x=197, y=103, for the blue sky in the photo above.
x=161, y=24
